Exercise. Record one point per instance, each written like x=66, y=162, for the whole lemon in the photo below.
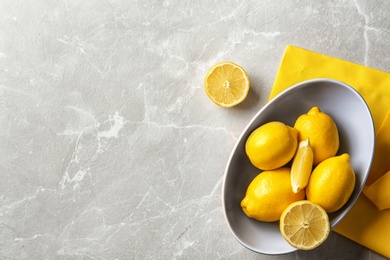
x=322, y=132
x=269, y=194
x=272, y=145
x=331, y=183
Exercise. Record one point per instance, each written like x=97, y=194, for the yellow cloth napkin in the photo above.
x=378, y=188
x=366, y=223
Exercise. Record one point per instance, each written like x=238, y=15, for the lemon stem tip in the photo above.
x=314, y=110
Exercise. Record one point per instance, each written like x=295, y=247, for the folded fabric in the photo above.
x=367, y=223
x=379, y=191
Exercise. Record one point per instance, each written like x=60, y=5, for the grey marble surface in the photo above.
x=110, y=148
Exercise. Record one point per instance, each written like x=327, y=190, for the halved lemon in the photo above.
x=302, y=166
x=226, y=84
x=304, y=225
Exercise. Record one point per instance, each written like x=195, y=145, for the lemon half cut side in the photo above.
x=304, y=225
x=227, y=84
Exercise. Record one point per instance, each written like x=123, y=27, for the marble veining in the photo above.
x=110, y=147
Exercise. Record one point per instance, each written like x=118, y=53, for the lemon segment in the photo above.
x=302, y=166
x=227, y=84
x=304, y=225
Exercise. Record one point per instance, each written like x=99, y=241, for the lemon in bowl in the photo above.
x=356, y=138
x=322, y=131
x=269, y=194
x=272, y=145
x=331, y=183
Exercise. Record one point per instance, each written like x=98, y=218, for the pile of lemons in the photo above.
x=301, y=175
x=300, y=194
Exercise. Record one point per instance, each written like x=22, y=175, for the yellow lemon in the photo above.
x=322, y=131
x=304, y=225
x=269, y=194
x=226, y=84
x=302, y=166
x=272, y=145
x=332, y=183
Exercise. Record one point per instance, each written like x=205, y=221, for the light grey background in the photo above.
x=110, y=148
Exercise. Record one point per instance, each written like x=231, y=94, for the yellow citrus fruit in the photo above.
x=302, y=166
x=272, y=145
x=331, y=183
x=226, y=84
x=304, y=225
x=322, y=131
x=269, y=194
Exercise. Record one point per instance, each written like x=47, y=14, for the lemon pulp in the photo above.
x=302, y=166
x=304, y=225
x=227, y=84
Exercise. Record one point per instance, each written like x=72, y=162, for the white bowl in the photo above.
x=357, y=138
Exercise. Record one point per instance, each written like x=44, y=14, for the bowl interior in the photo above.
x=357, y=137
